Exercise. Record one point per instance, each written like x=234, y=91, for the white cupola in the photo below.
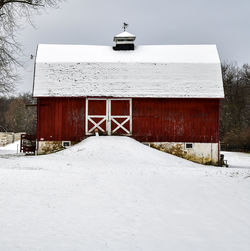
x=124, y=40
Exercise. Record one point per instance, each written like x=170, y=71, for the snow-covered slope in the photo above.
x=112, y=193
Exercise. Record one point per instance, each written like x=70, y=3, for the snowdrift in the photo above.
x=122, y=151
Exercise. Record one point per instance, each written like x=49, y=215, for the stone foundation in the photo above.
x=46, y=147
x=203, y=153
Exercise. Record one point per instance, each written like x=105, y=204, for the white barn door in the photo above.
x=109, y=116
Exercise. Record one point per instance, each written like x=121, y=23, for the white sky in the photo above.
x=222, y=22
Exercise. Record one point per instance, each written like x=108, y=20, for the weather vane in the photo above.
x=125, y=26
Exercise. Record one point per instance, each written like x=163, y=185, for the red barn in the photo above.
x=165, y=95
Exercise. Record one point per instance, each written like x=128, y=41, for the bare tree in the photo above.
x=19, y=117
x=11, y=12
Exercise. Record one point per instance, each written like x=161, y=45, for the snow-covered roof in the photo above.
x=191, y=71
x=125, y=34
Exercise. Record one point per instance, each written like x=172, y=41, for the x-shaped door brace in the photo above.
x=96, y=125
x=120, y=125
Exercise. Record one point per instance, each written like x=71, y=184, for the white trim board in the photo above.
x=108, y=117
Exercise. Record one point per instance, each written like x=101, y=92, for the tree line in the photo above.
x=235, y=108
x=17, y=114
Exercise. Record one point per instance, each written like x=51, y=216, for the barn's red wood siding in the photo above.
x=154, y=120
x=176, y=120
x=61, y=119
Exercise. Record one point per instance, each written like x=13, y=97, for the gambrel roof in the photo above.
x=169, y=71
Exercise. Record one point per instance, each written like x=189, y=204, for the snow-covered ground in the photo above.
x=113, y=193
x=237, y=160
x=12, y=148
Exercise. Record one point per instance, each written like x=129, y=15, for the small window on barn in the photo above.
x=188, y=145
x=66, y=144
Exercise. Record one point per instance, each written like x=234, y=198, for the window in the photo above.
x=66, y=143
x=188, y=145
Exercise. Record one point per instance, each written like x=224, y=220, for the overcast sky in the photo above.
x=225, y=23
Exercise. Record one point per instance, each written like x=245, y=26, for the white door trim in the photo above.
x=88, y=118
x=109, y=118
